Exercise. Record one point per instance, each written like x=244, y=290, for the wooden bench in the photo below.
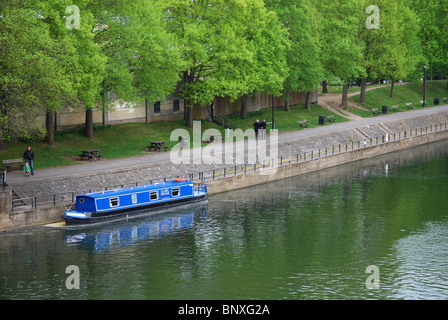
x=10, y=162
x=395, y=108
x=302, y=123
x=331, y=119
x=409, y=106
x=375, y=111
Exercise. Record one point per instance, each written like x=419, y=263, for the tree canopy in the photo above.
x=54, y=54
x=229, y=48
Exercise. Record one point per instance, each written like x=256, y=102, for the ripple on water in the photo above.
x=422, y=272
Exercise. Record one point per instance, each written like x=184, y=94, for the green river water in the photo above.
x=308, y=237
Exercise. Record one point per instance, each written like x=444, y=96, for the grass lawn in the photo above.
x=339, y=89
x=132, y=139
x=129, y=140
x=412, y=92
x=284, y=121
x=118, y=141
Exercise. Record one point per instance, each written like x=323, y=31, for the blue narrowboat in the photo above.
x=123, y=203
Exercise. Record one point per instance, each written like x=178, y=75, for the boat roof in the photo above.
x=135, y=189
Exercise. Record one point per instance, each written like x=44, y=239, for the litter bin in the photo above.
x=385, y=109
x=322, y=120
x=436, y=101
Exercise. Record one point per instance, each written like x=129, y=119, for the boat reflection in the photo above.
x=144, y=229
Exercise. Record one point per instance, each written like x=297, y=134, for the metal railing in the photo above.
x=222, y=120
x=32, y=203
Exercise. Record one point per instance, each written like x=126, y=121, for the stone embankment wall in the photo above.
x=297, y=156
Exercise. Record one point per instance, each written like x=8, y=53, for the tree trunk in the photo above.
x=447, y=78
x=89, y=124
x=105, y=115
x=287, y=102
x=49, y=124
x=308, y=101
x=344, y=95
x=189, y=120
x=2, y=144
x=325, y=87
x=362, y=96
x=244, y=106
x=392, y=88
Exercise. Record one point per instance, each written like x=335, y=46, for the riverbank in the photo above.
x=298, y=152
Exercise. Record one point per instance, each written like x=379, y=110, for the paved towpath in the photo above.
x=98, y=166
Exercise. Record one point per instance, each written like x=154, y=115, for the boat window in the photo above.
x=134, y=198
x=153, y=196
x=114, y=202
x=175, y=192
x=81, y=200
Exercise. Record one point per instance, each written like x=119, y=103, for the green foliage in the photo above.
x=220, y=48
x=433, y=17
x=304, y=70
x=229, y=48
x=338, y=27
x=33, y=69
x=393, y=50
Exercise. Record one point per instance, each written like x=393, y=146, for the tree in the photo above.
x=33, y=74
x=142, y=62
x=83, y=60
x=391, y=51
x=305, y=71
x=229, y=49
x=433, y=32
x=341, y=51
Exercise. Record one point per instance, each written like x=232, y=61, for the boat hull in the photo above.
x=95, y=218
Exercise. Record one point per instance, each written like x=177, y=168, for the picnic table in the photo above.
x=158, y=145
x=91, y=154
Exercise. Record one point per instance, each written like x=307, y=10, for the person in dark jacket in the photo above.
x=29, y=157
x=263, y=130
x=256, y=127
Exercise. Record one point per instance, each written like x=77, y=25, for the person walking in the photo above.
x=29, y=157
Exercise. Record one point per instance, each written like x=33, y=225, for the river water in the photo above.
x=316, y=236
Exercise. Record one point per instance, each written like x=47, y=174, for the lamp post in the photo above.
x=273, y=119
x=424, y=86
